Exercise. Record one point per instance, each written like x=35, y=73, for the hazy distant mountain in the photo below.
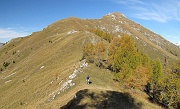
x=1, y=44
x=178, y=44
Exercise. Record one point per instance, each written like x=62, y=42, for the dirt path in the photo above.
x=71, y=94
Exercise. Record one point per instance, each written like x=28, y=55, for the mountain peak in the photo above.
x=116, y=14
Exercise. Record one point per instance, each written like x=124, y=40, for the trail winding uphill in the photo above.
x=78, y=84
x=102, y=93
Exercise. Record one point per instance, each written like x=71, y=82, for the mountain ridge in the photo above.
x=116, y=24
x=34, y=68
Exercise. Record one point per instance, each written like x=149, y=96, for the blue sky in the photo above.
x=22, y=17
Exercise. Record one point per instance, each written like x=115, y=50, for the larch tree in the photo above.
x=99, y=53
x=113, y=47
x=126, y=53
x=89, y=52
x=140, y=77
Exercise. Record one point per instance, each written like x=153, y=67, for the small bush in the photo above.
x=6, y=64
x=14, y=52
x=14, y=62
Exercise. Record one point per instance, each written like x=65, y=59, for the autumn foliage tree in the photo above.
x=164, y=89
x=112, y=50
x=126, y=53
x=135, y=70
x=88, y=52
x=170, y=96
x=104, y=35
x=122, y=57
x=140, y=77
x=95, y=53
x=127, y=62
x=99, y=53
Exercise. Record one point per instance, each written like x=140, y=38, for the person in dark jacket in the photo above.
x=88, y=79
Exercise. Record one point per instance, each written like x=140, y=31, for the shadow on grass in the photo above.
x=102, y=100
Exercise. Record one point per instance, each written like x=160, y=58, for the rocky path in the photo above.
x=66, y=84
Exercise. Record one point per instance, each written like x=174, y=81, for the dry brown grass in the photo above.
x=27, y=83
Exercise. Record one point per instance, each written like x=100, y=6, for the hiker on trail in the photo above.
x=88, y=79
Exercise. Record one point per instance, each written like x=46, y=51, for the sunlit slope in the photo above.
x=35, y=62
x=33, y=67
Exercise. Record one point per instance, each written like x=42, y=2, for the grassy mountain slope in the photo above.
x=147, y=41
x=35, y=66
x=34, y=69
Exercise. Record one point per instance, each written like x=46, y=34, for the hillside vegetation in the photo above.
x=127, y=65
x=134, y=70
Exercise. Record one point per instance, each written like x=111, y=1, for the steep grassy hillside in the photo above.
x=46, y=70
x=38, y=76
x=33, y=63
